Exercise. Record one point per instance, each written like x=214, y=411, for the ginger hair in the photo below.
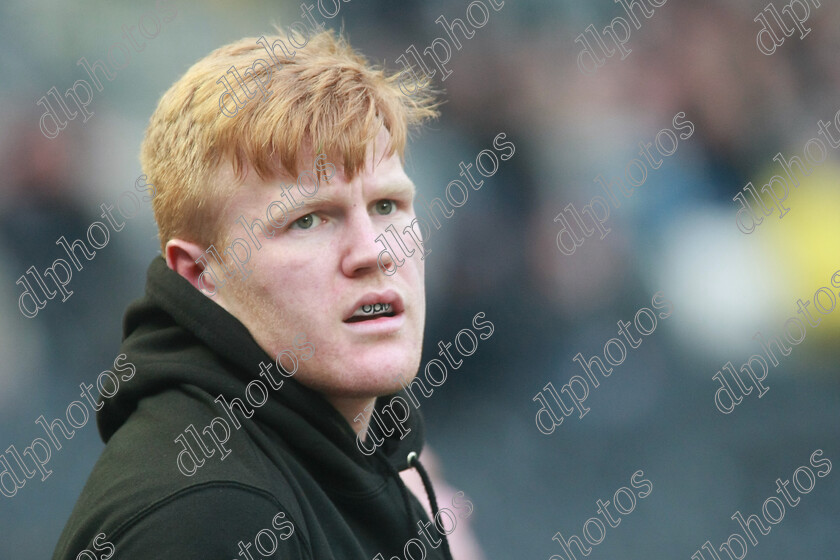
x=325, y=98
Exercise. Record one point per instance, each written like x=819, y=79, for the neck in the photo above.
x=351, y=408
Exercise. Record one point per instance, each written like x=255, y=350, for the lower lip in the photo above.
x=382, y=325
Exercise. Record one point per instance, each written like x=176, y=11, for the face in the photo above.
x=321, y=267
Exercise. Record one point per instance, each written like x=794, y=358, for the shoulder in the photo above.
x=140, y=499
x=212, y=520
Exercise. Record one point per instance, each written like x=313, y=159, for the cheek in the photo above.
x=275, y=271
x=419, y=272
x=279, y=288
x=420, y=283
x=415, y=279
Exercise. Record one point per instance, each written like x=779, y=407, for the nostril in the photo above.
x=392, y=256
x=389, y=267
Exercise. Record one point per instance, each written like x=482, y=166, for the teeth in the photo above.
x=373, y=309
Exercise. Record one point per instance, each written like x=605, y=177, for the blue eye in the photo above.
x=306, y=222
x=385, y=207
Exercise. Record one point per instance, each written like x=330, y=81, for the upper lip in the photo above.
x=388, y=296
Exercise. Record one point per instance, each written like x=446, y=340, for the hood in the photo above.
x=176, y=336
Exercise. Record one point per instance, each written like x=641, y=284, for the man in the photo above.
x=255, y=369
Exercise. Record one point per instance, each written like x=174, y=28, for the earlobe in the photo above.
x=188, y=260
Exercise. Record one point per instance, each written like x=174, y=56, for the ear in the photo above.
x=189, y=261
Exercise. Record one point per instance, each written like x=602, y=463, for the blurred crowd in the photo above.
x=677, y=234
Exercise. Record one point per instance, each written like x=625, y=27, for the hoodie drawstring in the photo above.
x=414, y=462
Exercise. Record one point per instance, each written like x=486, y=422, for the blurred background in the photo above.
x=496, y=255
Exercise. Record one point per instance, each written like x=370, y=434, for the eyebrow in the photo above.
x=399, y=187
x=388, y=189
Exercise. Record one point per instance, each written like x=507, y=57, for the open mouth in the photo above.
x=371, y=312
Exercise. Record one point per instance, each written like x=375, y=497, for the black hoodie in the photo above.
x=294, y=478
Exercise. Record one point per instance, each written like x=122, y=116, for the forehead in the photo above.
x=379, y=179
x=378, y=166
x=381, y=176
x=380, y=171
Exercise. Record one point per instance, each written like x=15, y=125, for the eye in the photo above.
x=306, y=222
x=385, y=207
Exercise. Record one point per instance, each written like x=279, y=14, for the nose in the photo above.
x=360, y=251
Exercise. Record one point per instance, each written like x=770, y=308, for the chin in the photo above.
x=361, y=374
x=372, y=379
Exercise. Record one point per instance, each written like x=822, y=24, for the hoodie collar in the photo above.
x=176, y=335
